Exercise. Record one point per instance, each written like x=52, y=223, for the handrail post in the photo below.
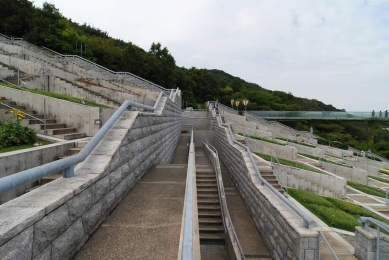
x=44, y=115
x=68, y=172
x=378, y=243
x=318, y=246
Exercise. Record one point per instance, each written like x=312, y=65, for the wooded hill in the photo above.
x=47, y=27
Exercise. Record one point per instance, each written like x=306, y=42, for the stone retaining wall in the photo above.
x=322, y=184
x=54, y=221
x=366, y=244
x=280, y=227
x=281, y=151
x=350, y=174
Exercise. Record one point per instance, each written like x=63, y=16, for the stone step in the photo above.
x=211, y=228
x=206, y=191
x=212, y=238
x=208, y=207
x=61, y=131
x=81, y=144
x=206, y=185
x=206, y=182
x=37, y=122
x=71, y=136
x=208, y=195
x=208, y=201
x=209, y=214
x=210, y=221
x=39, y=116
x=206, y=177
x=21, y=108
x=265, y=168
x=53, y=126
x=75, y=150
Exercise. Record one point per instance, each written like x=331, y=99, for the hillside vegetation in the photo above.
x=47, y=27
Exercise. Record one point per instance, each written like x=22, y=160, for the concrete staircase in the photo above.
x=52, y=127
x=23, y=77
x=309, y=161
x=267, y=173
x=87, y=94
x=209, y=213
x=211, y=230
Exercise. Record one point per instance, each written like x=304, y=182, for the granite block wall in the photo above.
x=54, y=221
x=280, y=227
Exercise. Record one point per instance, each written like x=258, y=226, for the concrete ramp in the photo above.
x=147, y=223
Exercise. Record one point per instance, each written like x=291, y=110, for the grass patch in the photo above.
x=294, y=141
x=379, y=179
x=289, y=163
x=324, y=160
x=261, y=138
x=21, y=147
x=334, y=212
x=58, y=96
x=367, y=189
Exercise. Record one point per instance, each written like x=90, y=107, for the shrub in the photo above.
x=12, y=133
x=336, y=217
x=384, y=171
x=307, y=197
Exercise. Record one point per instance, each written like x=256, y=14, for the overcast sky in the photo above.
x=333, y=51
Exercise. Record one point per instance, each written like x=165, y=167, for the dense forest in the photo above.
x=47, y=27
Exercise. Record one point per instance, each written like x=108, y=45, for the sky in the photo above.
x=335, y=51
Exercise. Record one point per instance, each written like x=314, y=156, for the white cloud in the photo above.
x=334, y=51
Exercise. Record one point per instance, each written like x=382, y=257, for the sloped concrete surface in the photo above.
x=147, y=223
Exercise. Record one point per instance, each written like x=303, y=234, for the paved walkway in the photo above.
x=248, y=235
x=147, y=222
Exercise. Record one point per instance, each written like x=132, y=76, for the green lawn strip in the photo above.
x=379, y=179
x=334, y=212
x=324, y=160
x=294, y=141
x=261, y=138
x=367, y=189
x=21, y=147
x=289, y=163
x=59, y=96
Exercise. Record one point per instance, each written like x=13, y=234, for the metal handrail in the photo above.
x=227, y=108
x=187, y=242
x=222, y=195
x=16, y=86
x=67, y=164
x=262, y=120
x=23, y=112
x=328, y=244
x=23, y=43
x=104, y=68
x=365, y=221
x=308, y=222
x=273, y=155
